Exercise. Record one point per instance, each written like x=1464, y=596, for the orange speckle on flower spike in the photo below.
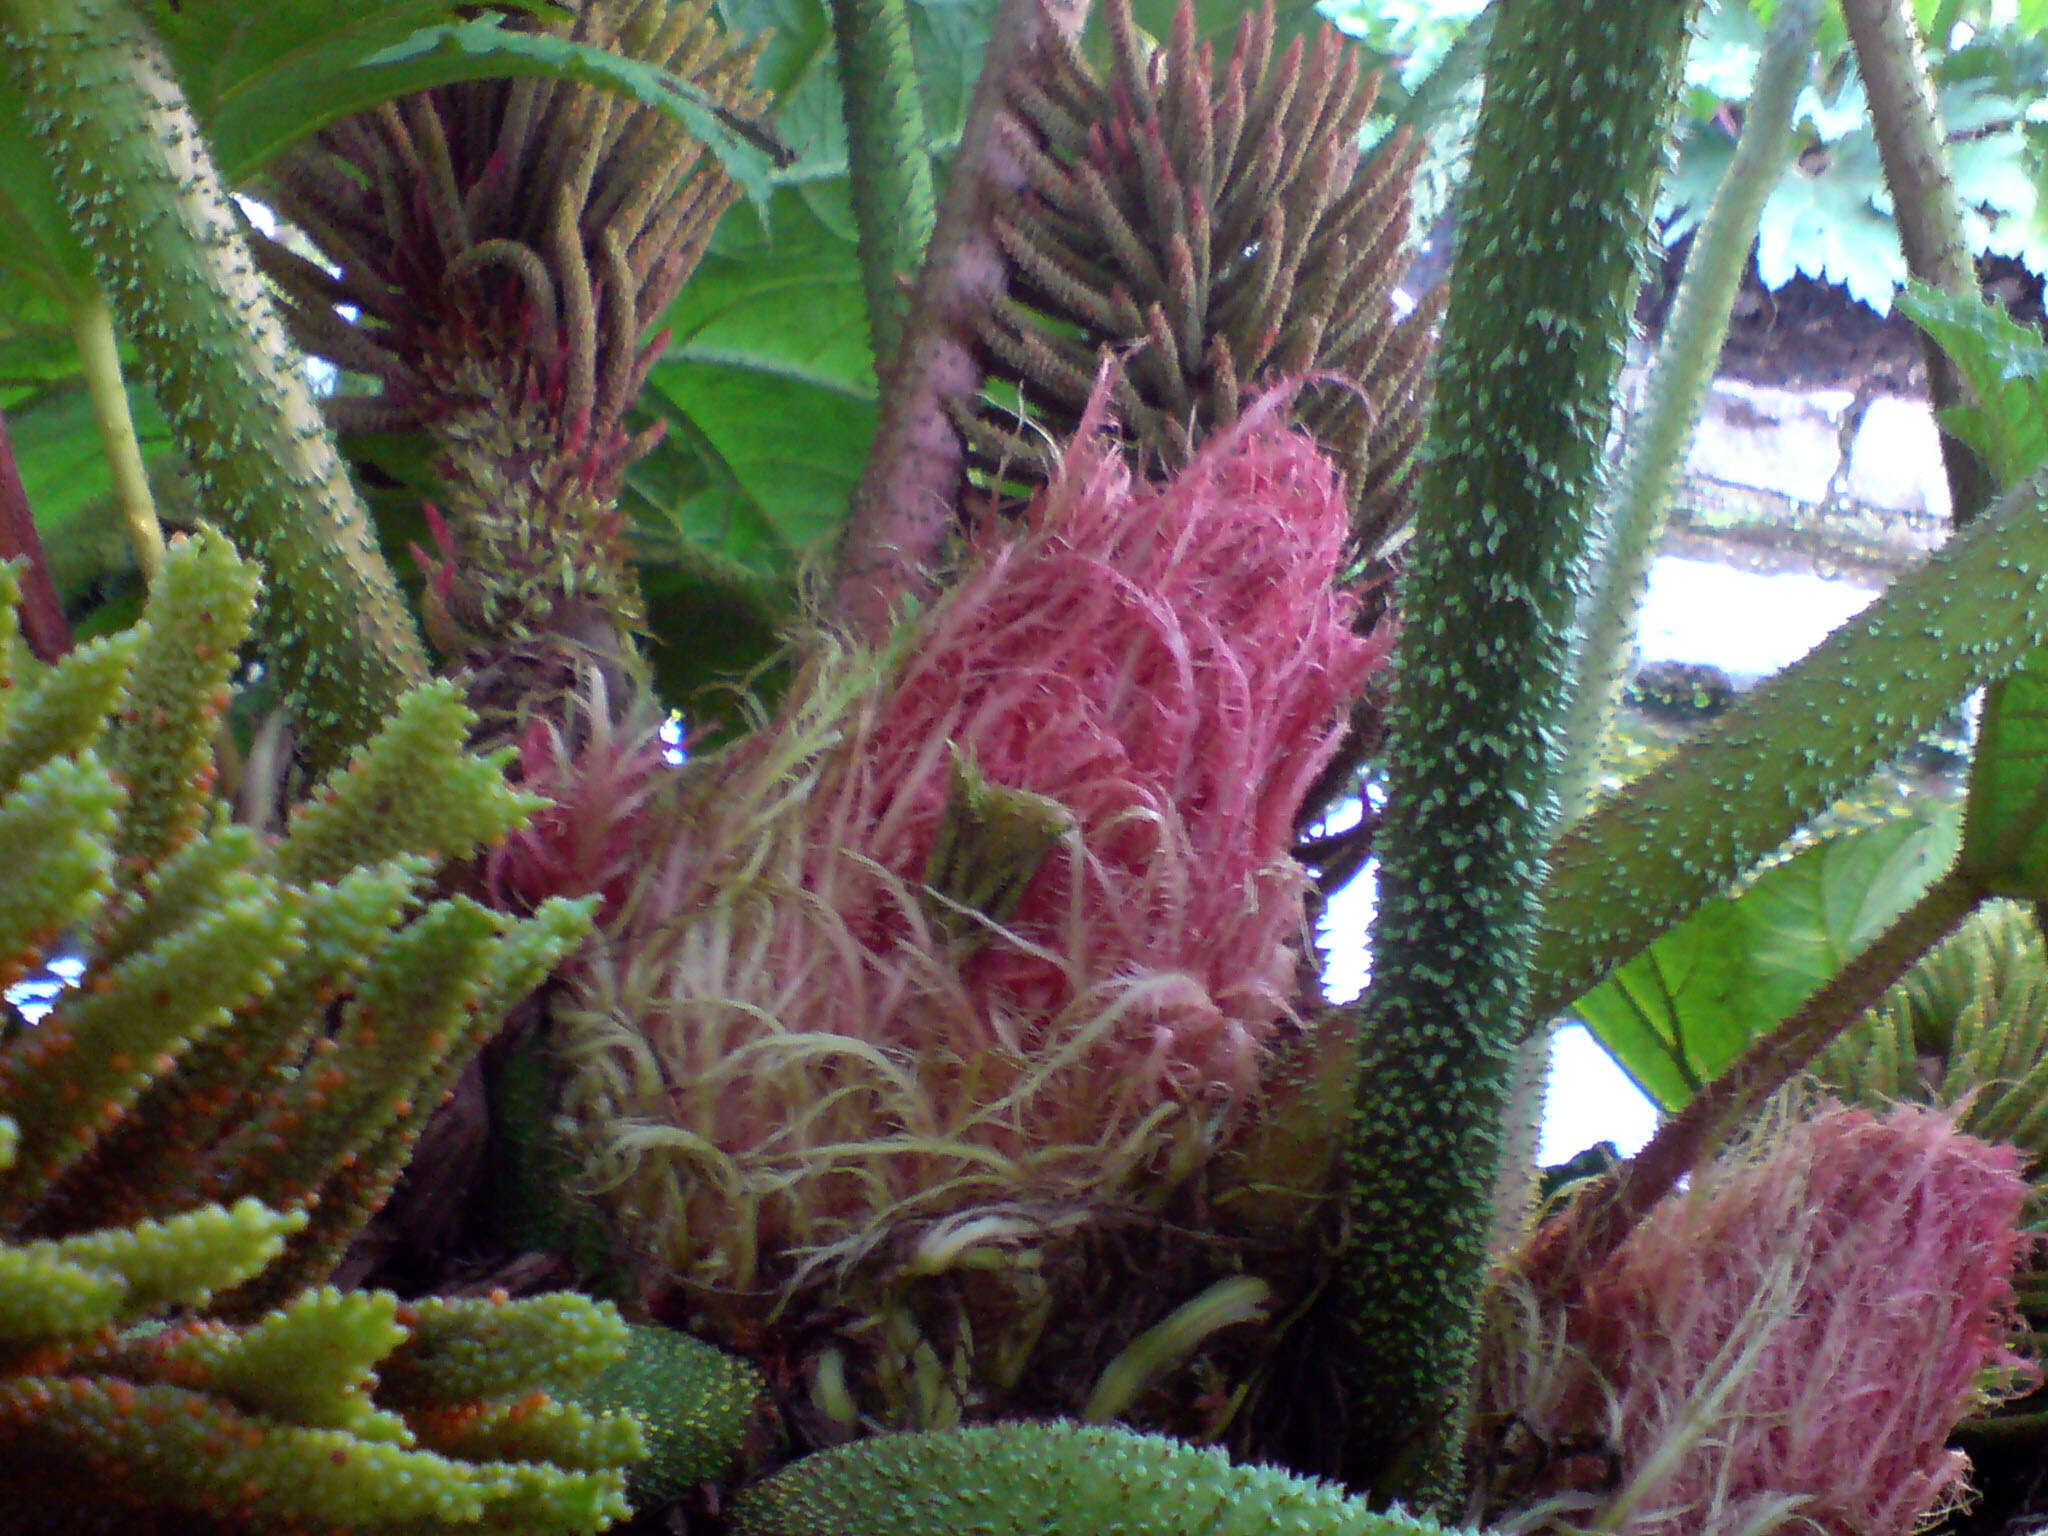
x=233, y=1035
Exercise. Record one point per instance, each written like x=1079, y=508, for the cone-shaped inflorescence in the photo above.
x=504, y=246
x=1219, y=230
x=1786, y=1346
x=1967, y=1032
x=192, y=1133
x=953, y=974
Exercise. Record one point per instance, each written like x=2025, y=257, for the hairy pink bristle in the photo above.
x=1804, y=1330
x=1173, y=664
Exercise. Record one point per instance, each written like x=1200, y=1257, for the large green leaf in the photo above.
x=39, y=250
x=485, y=48
x=2007, y=366
x=2005, y=845
x=1823, y=221
x=1217, y=19
x=36, y=346
x=263, y=76
x=1681, y=1011
x=769, y=387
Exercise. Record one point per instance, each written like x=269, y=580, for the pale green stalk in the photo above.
x=888, y=159
x=1680, y=380
x=99, y=353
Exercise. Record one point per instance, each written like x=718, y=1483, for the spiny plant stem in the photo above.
x=904, y=508
x=147, y=203
x=1680, y=378
x=92, y=329
x=1570, y=146
x=1702, y=817
x=888, y=160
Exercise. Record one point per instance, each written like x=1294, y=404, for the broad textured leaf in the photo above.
x=36, y=349
x=2006, y=842
x=1681, y=1011
x=769, y=386
x=39, y=249
x=1217, y=19
x=2007, y=366
x=485, y=48
x=263, y=76
x=1826, y=224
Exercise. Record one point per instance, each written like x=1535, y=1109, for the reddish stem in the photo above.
x=905, y=508
x=42, y=615
x=1586, y=1233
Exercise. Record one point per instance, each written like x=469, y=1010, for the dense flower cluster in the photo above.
x=1003, y=916
x=1789, y=1344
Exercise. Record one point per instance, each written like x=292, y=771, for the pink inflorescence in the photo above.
x=1791, y=1345
x=1172, y=664
x=602, y=778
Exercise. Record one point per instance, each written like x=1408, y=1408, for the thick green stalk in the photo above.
x=1968, y=614
x=92, y=329
x=148, y=205
x=1570, y=146
x=1680, y=379
x=888, y=160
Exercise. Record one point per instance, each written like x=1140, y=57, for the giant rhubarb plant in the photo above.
x=945, y=982
x=962, y=989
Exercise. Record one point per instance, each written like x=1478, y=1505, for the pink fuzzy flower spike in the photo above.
x=602, y=777
x=1792, y=1346
x=1173, y=663
x=862, y=1032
